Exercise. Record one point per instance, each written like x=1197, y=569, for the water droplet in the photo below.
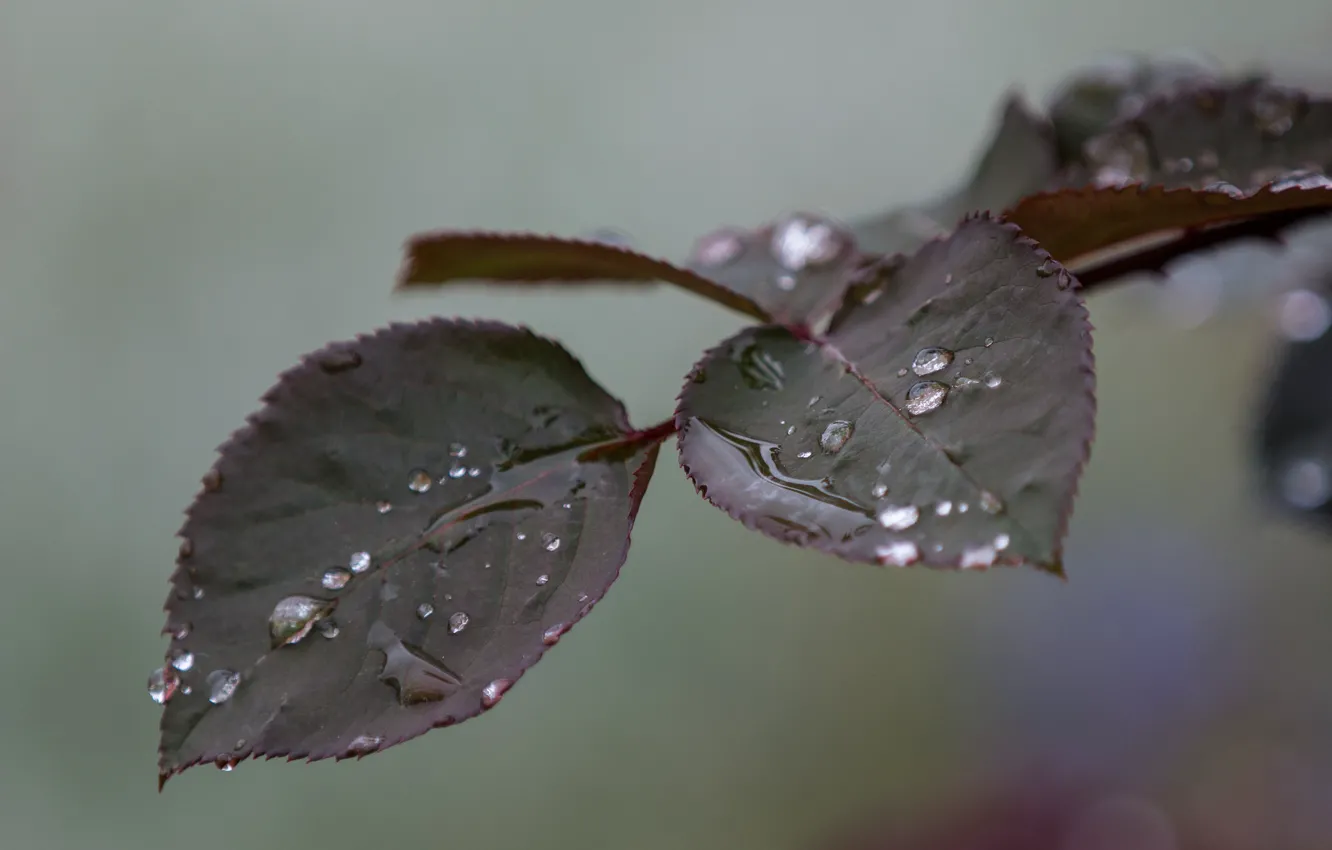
x=226, y=766
x=925, y=396
x=1302, y=179
x=335, y=579
x=359, y=562
x=879, y=490
x=182, y=660
x=383, y=507
x=582, y=597
x=802, y=242
x=339, y=360
x=990, y=503
x=162, y=684
x=804, y=455
x=424, y=610
x=550, y=542
x=1118, y=157
x=989, y=341
x=458, y=621
x=328, y=628
x=551, y=636
x=974, y=557
x=943, y=508
x=1306, y=483
x=902, y=373
x=522, y=535
x=791, y=429
x=455, y=472
x=474, y=472
x=293, y=617
x=813, y=401
x=197, y=593
x=963, y=507
x=186, y=690
x=785, y=282
x=759, y=369
x=992, y=380
x=180, y=631
x=899, y=553
x=493, y=692
x=1225, y=188
x=418, y=481
x=457, y=450
x=415, y=675
x=364, y=744
x=836, y=435
x=221, y=685
x=719, y=248
x=898, y=517
x=1275, y=109
x=542, y=579
x=1001, y=542
x=931, y=360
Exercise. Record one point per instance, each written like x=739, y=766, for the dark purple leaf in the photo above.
x=521, y=258
x=943, y=419
x=401, y=531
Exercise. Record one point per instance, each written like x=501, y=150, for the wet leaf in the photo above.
x=400, y=532
x=944, y=419
x=1199, y=157
x=1019, y=160
x=519, y=258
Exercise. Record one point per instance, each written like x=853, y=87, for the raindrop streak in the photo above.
x=418, y=481
x=493, y=692
x=759, y=369
x=898, y=517
x=415, y=675
x=424, y=610
x=359, y=562
x=293, y=617
x=335, y=579
x=719, y=248
x=925, y=397
x=162, y=684
x=383, y=507
x=931, y=360
x=801, y=242
x=835, y=436
x=221, y=685
x=550, y=542
x=458, y=621
x=182, y=660
x=977, y=557
x=900, y=553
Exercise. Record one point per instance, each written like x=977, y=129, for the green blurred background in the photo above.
x=192, y=195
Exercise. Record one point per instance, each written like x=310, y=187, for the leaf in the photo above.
x=796, y=268
x=471, y=467
x=835, y=443
x=1198, y=157
x=1019, y=160
x=520, y=258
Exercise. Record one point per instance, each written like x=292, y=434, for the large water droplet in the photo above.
x=424, y=610
x=1275, y=110
x=835, y=436
x=182, y=660
x=293, y=617
x=931, y=360
x=898, y=517
x=801, y=242
x=550, y=542
x=162, y=684
x=989, y=341
x=458, y=621
x=925, y=397
x=335, y=578
x=1118, y=157
x=221, y=685
x=977, y=557
x=493, y=692
x=719, y=248
x=418, y=481
x=359, y=562
x=759, y=369
x=899, y=553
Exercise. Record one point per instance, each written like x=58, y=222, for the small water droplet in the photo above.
x=898, y=517
x=474, y=472
x=582, y=597
x=989, y=341
x=879, y=490
x=186, y=690
x=968, y=361
x=977, y=557
x=550, y=542
x=990, y=503
x=1306, y=483
x=963, y=507
x=899, y=553
x=455, y=472
x=383, y=507
x=328, y=628
x=493, y=692
x=293, y=617
x=551, y=636
x=719, y=248
x=542, y=579
x=1275, y=110
x=785, y=282
x=359, y=562
x=458, y=621
x=813, y=401
x=1225, y=188
x=182, y=660
x=943, y=508
x=801, y=242
x=226, y=766
x=902, y=373
x=1118, y=157
x=759, y=369
x=457, y=450
x=804, y=455
x=221, y=685
x=931, y=360
x=162, y=684
x=1001, y=542
x=836, y=435
x=180, y=631
x=424, y=610
x=364, y=744
x=791, y=429
x=197, y=593
x=521, y=535
x=992, y=380
x=925, y=397
x=339, y=360
x=418, y=481
x=335, y=579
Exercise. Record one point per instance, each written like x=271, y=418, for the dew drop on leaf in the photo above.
x=222, y=685
x=804, y=455
x=458, y=621
x=925, y=397
x=1118, y=157
x=759, y=369
x=418, y=481
x=359, y=562
x=383, y=507
x=720, y=248
x=457, y=450
x=931, y=360
x=1001, y=542
x=898, y=517
x=542, y=579
x=785, y=282
x=992, y=380
x=976, y=557
x=990, y=503
x=1306, y=483
x=1275, y=109
x=162, y=684
x=801, y=242
x=364, y=744
x=550, y=542
x=182, y=660
x=835, y=436
x=899, y=553
x=424, y=610
x=335, y=578
x=327, y=628
x=879, y=490
x=293, y=617
x=492, y=693
x=943, y=508
x=551, y=636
